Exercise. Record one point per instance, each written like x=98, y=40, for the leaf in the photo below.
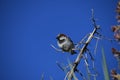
x=104, y=64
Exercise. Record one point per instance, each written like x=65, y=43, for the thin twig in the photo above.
x=56, y=48
x=88, y=72
x=62, y=68
x=82, y=41
x=95, y=50
x=66, y=76
x=81, y=75
x=94, y=76
x=85, y=60
x=90, y=54
x=87, y=68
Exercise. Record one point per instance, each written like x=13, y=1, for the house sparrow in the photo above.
x=65, y=43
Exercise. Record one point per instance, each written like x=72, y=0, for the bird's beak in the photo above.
x=57, y=37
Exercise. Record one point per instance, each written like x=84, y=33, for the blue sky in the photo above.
x=28, y=27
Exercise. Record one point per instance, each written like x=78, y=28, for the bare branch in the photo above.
x=82, y=41
x=66, y=76
x=62, y=68
x=80, y=55
x=81, y=75
x=74, y=76
x=95, y=50
x=56, y=48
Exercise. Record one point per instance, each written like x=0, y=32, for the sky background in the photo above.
x=29, y=27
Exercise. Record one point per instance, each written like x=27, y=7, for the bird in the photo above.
x=65, y=43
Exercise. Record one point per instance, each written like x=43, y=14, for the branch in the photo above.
x=56, y=48
x=82, y=41
x=80, y=55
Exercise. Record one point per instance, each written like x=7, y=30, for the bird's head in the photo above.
x=61, y=37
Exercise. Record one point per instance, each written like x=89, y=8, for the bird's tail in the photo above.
x=73, y=52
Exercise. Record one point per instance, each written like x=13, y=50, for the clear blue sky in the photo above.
x=28, y=27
